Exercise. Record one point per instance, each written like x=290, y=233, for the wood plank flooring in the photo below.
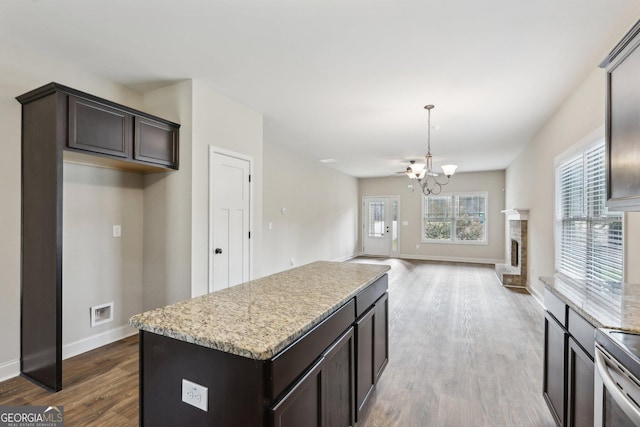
x=464, y=351
x=100, y=387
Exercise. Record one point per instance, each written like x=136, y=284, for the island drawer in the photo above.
x=369, y=295
x=295, y=359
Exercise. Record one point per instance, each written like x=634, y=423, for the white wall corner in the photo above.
x=347, y=257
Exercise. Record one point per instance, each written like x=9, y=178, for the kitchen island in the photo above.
x=297, y=348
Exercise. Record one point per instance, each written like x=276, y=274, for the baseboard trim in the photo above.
x=98, y=340
x=537, y=295
x=10, y=369
x=347, y=257
x=452, y=259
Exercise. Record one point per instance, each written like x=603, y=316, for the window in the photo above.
x=588, y=236
x=455, y=218
x=376, y=219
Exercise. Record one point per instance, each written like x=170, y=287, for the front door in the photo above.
x=380, y=226
x=230, y=198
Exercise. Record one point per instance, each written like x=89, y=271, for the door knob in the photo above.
x=218, y=250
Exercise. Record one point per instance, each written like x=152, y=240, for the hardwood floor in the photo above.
x=464, y=351
x=100, y=387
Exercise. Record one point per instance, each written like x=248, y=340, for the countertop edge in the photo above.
x=565, y=299
x=232, y=348
x=551, y=284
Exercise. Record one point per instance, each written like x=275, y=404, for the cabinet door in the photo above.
x=555, y=357
x=339, y=390
x=365, y=376
x=155, y=142
x=580, y=402
x=99, y=128
x=623, y=128
x=303, y=405
x=381, y=335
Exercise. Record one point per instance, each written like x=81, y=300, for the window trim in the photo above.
x=586, y=144
x=453, y=241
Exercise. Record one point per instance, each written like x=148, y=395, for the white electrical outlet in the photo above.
x=195, y=395
x=117, y=230
x=417, y=246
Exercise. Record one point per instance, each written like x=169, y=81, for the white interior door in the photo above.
x=380, y=234
x=230, y=197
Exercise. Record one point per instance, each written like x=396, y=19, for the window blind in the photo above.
x=590, y=237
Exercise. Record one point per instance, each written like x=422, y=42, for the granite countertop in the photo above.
x=260, y=318
x=612, y=305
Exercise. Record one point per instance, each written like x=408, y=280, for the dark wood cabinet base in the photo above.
x=312, y=382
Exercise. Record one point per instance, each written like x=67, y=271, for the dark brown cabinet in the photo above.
x=372, y=351
x=110, y=132
x=312, y=382
x=99, y=128
x=381, y=336
x=155, y=142
x=623, y=123
x=339, y=368
x=324, y=395
x=58, y=121
x=366, y=378
x=580, y=386
x=569, y=346
x=303, y=405
x=555, y=356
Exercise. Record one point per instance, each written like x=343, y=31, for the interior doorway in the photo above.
x=380, y=226
x=229, y=218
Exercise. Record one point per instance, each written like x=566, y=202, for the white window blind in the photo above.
x=455, y=218
x=589, y=245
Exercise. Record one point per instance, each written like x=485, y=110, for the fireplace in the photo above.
x=514, y=272
x=514, y=253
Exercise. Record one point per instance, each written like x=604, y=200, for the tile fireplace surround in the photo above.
x=514, y=272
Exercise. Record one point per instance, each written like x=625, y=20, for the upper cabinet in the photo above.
x=99, y=128
x=155, y=142
x=104, y=133
x=623, y=123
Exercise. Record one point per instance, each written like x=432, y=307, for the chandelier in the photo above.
x=424, y=172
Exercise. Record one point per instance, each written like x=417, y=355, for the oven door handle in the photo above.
x=618, y=396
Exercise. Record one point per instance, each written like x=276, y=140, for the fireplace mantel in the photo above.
x=516, y=214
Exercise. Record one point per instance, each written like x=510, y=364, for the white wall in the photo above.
x=22, y=71
x=224, y=123
x=97, y=267
x=411, y=210
x=322, y=211
x=531, y=177
x=167, y=206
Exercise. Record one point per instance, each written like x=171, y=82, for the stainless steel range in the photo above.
x=617, y=384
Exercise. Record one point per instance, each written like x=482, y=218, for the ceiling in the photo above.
x=348, y=79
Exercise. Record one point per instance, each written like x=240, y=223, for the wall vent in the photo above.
x=101, y=314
